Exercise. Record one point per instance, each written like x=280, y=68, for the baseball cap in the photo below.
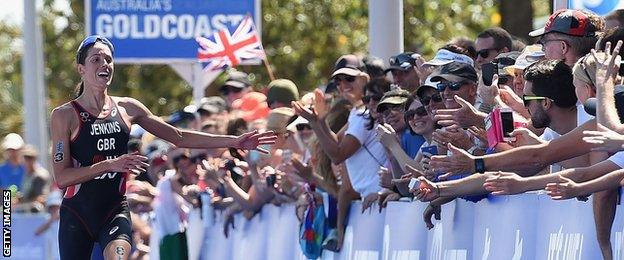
x=29, y=151
x=279, y=118
x=530, y=55
x=252, y=106
x=213, y=102
x=456, y=72
x=504, y=60
x=282, y=90
x=618, y=93
x=444, y=57
x=396, y=96
x=567, y=21
x=12, y=141
x=428, y=84
x=237, y=79
x=349, y=65
x=402, y=61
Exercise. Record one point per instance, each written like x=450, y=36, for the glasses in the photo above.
x=543, y=41
x=420, y=111
x=485, y=53
x=527, y=98
x=301, y=127
x=390, y=108
x=91, y=40
x=453, y=86
x=228, y=90
x=427, y=99
x=374, y=97
x=347, y=78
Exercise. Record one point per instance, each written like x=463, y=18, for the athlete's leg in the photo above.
x=75, y=242
x=117, y=250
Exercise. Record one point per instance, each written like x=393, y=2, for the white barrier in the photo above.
x=528, y=226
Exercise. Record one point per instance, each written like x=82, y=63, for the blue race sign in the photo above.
x=600, y=7
x=163, y=31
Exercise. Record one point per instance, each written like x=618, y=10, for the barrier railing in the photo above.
x=527, y=226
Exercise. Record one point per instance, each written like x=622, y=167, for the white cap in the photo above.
x=444, y=57
x=12, y=141
x=530, y=55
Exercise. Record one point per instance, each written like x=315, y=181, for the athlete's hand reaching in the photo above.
x=132, y=162
x=251, y=140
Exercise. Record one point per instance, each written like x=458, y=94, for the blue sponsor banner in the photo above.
x=601, y=7
x=163, y=31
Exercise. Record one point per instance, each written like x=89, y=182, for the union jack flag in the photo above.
x=222, y=49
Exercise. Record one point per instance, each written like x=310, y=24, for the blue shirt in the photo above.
x=411, y=143
x=11, y=175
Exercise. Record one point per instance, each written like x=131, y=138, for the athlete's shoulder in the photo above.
x=132, y=106
x=63, y=111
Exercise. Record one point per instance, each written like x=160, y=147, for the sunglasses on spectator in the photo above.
x=228, y=90
x=347, y=78
x=453, y=86
x=543, y=41
x=420, y=111
x=527, y=98
x=427, y=99
x=390, y=108
x=485, y=53
x=375, y=97
x=301, y=127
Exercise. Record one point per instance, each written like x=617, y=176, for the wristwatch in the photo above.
x=479, y=165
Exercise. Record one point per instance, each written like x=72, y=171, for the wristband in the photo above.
x=479, y=165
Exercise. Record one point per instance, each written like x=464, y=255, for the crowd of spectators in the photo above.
x=419, y=128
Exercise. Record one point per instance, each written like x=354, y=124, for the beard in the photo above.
x=540, y=119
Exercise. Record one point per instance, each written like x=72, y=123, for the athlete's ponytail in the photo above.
x=79, y=89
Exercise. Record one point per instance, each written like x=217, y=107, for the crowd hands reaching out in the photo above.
x=417, y=130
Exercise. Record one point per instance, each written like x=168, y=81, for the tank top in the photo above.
x=98, y=139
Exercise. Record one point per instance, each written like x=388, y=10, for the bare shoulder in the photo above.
x=131, y=106
x=62, y=113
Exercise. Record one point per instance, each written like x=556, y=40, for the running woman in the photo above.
x=91, y=163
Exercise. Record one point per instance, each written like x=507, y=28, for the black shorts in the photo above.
x=78, y=232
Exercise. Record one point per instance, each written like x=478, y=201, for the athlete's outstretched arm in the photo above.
x=65, y=174
x=191, y=139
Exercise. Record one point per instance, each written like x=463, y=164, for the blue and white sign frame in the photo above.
x=163, y=31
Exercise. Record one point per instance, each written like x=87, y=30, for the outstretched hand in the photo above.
x=504, y=183
x=458, y=162
x=563, y=190
x=426, y=191
x=607, y=65
x=251, y=140
x=606, y=139
x=465, y=116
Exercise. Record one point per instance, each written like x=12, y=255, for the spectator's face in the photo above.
x=419, y=120
x=518, y=82
x=432, y=99
x=189, y=170
x=553, y=46
x=233, y=93
x=371, y=100
x=305, y=132
x=393, y=115
x=583, y=90
x=539, y=117
x=351, y=87
x=467, y=91
x=407, y=79
x=485, y=51
x=30, y=161
x=12, y=155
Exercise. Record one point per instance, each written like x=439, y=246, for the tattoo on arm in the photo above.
x=58, y=154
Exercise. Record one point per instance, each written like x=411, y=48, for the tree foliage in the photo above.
x=302, y=40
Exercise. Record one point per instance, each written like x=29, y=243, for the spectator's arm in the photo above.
x=606, y=73
x=345, y=196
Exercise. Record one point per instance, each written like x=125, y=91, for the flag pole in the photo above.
x=268, y=68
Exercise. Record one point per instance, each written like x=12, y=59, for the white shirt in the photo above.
x=549, y=134
x=363, y=165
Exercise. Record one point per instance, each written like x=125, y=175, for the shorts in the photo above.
x=78, y=232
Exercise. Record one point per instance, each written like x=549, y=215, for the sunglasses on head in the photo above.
x=347, y=78
x=92, y=40
x=453, y=86
x=301, y=127
x=402, y=60
x=420, y=111
x=427, y=99
x=228, y=90
x=485, y=53
x=374, y=97
x=527, y=98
